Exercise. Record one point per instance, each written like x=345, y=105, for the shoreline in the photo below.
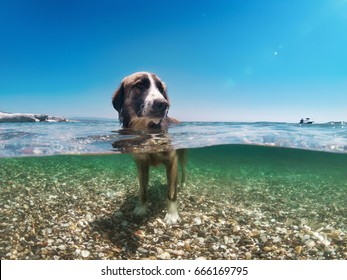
x=20, y=118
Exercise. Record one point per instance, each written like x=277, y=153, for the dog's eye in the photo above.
x=140, y=85
x=161, y=89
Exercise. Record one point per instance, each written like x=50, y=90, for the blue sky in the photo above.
x=235, y=60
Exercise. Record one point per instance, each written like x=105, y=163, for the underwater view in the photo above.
x=253, y=191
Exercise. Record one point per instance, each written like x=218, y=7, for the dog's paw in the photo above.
x=171, y=219
x=140, y=210
x=172, y=216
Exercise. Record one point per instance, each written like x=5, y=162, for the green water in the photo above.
x=287, y=186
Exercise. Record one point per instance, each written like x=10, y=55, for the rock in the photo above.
x=281, y=230
x=20, y=248
x=44, y=251
x=200, y=240
x=164, y=256
x=85, y=253
x=187, y=247
x=236, y=228
x=19, y=117
x=118, y=214
x=142, y=250
x=248, y=256
x=62, y=247
x=310, y=243
x=263, y=238
x=178, y=252
x=226, y=239
x=159, y=251
x=197, y=221
x=298, y=250
x=50, y=241
x=267, y=249
x=90, y=217
x=254, y=233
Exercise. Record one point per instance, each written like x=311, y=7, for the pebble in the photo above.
x=44, y=251
x=200, y=240
x=187, y=247
x=159, y=251
x=142, y=250
x=281, y=230
x=164, y=256
x=85, y=253
x=197, y=221
x=118, y=214
x=89, y=217
x=298, y=250
x=178, y=252
x=62, y=247
x=267, y=249
x=310, y=243
x=254, y=233
x=226, y=239
x=236, y=228
x=263, y=238
x=89, y=228
x=20, y=248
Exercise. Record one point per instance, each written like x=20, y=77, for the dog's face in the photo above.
x=141, y=94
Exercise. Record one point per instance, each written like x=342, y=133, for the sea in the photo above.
x=293, y=176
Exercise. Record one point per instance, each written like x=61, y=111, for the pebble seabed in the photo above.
x=61, y=217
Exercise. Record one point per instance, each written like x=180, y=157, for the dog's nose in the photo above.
x=160, y=105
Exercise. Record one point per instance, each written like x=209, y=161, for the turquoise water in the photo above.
x=249, y=195
x=96, y=136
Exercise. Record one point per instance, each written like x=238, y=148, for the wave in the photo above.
x=97, y=136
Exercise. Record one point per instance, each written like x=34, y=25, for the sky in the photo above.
x=222, y=60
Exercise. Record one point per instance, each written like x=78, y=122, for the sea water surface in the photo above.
x=95, y=136
x=254, y=191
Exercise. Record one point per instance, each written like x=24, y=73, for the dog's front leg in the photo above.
x=182, y=158
x=143, y=173
x=172, y=216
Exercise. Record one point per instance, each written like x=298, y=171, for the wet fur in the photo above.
x=129, y=101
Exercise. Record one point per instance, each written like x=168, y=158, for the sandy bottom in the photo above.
x=236, y=205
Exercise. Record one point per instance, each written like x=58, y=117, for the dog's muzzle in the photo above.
x=160, y=108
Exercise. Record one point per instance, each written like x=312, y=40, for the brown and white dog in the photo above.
x=142, y=103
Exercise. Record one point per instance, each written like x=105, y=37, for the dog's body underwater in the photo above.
x=142, y=104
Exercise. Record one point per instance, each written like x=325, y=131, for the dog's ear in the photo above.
x=165, y=92
x=118, y=98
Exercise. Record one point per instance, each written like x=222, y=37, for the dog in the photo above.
x=142, y=103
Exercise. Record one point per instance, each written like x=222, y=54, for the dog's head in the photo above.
x=141, y=95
